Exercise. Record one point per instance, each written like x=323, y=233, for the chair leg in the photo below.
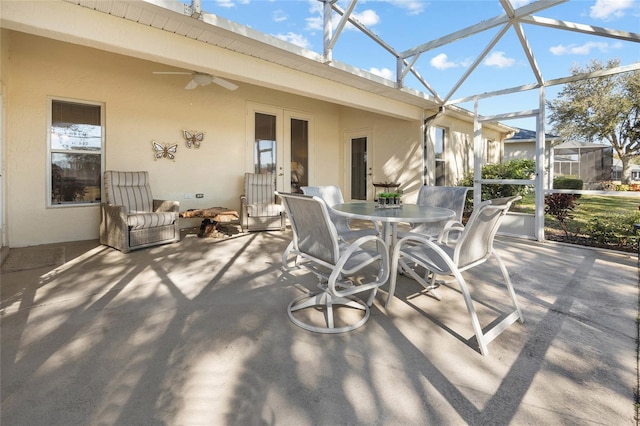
x=512, y=292
x=430, y=287
x=475, y=322
x=328, y=301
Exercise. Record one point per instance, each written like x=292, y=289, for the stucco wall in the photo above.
x=142, y=107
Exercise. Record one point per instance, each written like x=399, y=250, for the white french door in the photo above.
x=278, y=141
x=359, y=185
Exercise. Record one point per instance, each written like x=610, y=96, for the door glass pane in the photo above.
x=359, y=169
x=299, y=154
x=265, y=143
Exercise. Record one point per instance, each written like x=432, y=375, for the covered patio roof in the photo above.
x=192, y=22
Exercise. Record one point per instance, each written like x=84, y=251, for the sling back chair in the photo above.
x=473, y=247
x=317, y=248
x=260, y=210
x=332, y=196
x=130, y=218
x=449, y=197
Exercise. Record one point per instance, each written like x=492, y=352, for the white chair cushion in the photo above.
x=150, y=220
x=129, y=189
x=259, y=210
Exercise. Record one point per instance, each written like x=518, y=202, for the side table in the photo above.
x=217, y=222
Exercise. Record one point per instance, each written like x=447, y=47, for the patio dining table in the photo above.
x=390, y=217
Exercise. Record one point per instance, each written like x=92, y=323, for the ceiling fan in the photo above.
x=201, y=79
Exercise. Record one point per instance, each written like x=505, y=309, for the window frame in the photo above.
x=440, y=156
x=492, y=154
x=50, y=151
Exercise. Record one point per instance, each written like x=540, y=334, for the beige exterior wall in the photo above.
x=141, y=107
x=515, y=150
x=459, y=146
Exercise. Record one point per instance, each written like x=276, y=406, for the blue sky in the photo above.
x=405, y=24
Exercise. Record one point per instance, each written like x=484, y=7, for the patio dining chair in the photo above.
x=473, y=247
x=345, y=270
x=449, y=197
x=332, y=196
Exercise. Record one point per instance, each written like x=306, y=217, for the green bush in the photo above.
x=568, y=183
x=623, y=187
x=614, y=230
x=514, y=169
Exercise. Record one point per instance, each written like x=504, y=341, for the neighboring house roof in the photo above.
x=617, y=165
x=575, y=147
x=524, y=135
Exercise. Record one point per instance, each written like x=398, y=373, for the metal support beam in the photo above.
x=540, y=161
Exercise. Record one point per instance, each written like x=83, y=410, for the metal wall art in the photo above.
x=164, y=151
x=193, y=138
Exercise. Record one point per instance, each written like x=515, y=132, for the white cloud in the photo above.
x=609, y=9
x=497, y=59
x=442, y=62
x=314, y=23
x=231, y=3
x=279, y=16
x=383, y=72
x=584, y=49
x=293, y=38
x=367, y=17
x=413, y=7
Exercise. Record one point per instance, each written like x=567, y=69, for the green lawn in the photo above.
x=615, y=210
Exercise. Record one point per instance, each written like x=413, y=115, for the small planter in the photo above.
x=389, y=200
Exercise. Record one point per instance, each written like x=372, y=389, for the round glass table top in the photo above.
x=404, y=213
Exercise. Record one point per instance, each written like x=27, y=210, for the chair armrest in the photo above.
x=115, y=214
x=244, y=220
x=450, y=226
x=353, y=249
x=166, y=206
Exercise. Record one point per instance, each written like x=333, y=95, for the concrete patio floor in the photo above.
x=196, y=333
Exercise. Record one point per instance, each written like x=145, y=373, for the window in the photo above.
x=493, y=152
x=441, y=164
x=76, y=144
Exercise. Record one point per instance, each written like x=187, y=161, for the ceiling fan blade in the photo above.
x=224, y=83
x=191, y=85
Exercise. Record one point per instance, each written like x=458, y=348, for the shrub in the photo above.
x=623, y=187
x=514, y=169
x=568, y=183
x=614, y=230
x=561, y=207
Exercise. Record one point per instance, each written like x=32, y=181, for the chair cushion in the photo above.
x=150, y=220
x=129, y=189
x=260, y=210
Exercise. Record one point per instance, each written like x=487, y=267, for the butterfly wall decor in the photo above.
x=164, y=151
x=193, y=138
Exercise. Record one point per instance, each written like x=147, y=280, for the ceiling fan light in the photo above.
x=202, y=79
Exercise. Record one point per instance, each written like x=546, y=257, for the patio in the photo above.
x=197, y=333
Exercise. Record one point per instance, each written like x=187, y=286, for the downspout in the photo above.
x=425, y=129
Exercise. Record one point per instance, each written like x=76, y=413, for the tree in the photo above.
x=601, y=109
